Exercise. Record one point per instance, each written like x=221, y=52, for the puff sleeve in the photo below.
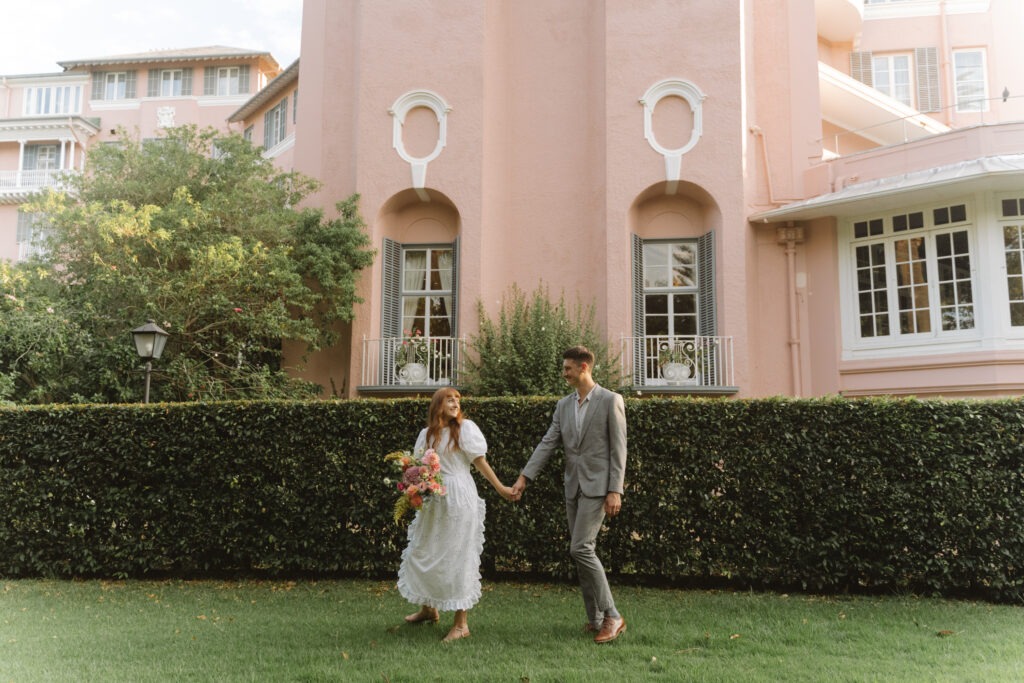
x=472, y=441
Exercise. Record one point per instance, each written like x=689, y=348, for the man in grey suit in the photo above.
x=590, y=424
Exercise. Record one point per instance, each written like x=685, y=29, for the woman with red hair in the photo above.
x=440, y=568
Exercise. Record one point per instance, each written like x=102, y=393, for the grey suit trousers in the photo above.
x=585, y=517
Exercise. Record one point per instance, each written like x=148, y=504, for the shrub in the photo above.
x=822, y=495
x=520, y=354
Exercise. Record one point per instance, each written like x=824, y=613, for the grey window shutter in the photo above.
x=210, y=80
x=929, y=94
x=295, y=106
x=861, y=69
x=453, y=314
x=30, y=160
x=129, y=85
x=282, y=119
x=98, y=80
x=186, y=82
x=243, y=78
x=153, y=83
x=707, y=325
x=391, y=307
x=639, y=312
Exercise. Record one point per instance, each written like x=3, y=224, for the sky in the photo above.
x=36, y=34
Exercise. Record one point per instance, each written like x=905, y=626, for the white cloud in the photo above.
x=40, y=33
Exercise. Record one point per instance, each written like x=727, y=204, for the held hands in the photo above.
x=518, y=488
x=508, y=493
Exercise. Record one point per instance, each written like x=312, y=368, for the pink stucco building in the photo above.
x=792, y=197
x=807, y=197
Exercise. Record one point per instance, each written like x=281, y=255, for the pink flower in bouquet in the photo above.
x=420, y=479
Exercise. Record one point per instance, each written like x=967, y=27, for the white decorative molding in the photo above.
x=402, y=106
x=672, y=87
x=165, y=117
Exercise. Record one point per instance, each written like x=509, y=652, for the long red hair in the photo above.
x=437, y=421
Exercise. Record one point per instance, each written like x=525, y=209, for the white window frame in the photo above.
x=671, y=290
x=1013, y=280
x=115, y=85
x=890, y=71
x=52, y=100
x=275, y=124
x=970, y=102
x=426, y=295
x=172, y=82
x=229, y=80
x=936, y=338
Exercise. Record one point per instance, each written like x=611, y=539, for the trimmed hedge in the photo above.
x=823, y=495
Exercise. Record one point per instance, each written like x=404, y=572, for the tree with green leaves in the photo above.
x=520, y=353
x=199, y=232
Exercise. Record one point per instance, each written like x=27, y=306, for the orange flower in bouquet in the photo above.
x=420, y=479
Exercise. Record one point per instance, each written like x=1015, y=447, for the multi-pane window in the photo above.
x=115, y=86
x=1013, y=251
x=226, y=80
x=892, y=76
x=247, y=133
x=674, y=318
x=427, y=291
x=57, y=99
x=171, y=83
x=969, y=76
x=29, y=235
x=670, y=288
x=275, y=124
x=913, y=273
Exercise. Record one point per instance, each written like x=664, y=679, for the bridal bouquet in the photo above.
x=420, y=479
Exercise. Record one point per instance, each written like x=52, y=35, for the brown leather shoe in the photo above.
x=610, y=629
x=590, y=628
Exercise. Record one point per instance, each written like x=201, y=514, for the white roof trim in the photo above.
x=991, y=173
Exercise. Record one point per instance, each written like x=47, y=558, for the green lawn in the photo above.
x=353, y=631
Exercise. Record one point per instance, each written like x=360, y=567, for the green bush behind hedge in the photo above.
x=823, y=495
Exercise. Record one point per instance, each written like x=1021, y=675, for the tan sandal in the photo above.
x=456, y=633
x=424, y=616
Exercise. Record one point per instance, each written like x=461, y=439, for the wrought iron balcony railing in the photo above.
x=402, y=365
x=679, y=362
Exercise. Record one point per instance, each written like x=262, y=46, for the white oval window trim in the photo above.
x=402, y=106
x=673, y=87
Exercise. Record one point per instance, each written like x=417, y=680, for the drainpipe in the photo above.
x=945, y=69
x=790, y=236
x=772, y=199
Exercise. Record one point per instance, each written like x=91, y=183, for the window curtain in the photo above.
x=444, y=264
x=413, y=279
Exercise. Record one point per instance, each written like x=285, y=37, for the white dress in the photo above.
x=441, y=564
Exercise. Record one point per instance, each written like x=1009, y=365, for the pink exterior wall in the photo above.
x=546, y=172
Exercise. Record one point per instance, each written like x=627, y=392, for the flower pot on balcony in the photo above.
x=678, y=374
x=413, y=373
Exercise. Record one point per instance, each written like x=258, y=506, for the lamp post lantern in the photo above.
x=149, y=342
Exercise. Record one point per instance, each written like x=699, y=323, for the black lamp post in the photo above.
x=149, y=342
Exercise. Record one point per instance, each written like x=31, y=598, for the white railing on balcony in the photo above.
x=30, y=181
x=396, y=363
x=678, y=361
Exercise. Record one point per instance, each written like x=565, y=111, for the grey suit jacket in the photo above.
x=595, y=457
